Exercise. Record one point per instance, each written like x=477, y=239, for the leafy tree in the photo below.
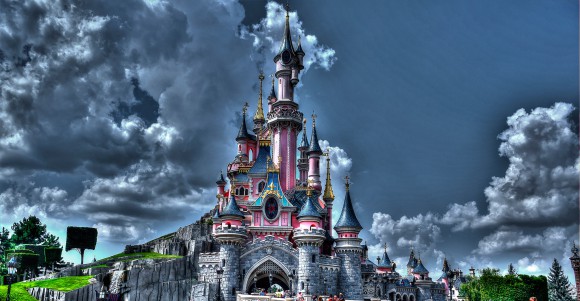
x=51, y=240
x=28, y=231
x=493, y=286
x=52, y=255
x=81, y=238
x=559, y=288
x=512, y=270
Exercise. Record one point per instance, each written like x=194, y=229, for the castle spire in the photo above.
x=243, y=132
x=259, y=115
x=272, y=92
x=304, y=145
x=347, y=217
x=328, y=193
x=314, y=146
x=287, y=39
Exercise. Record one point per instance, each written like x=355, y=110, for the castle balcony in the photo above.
x=286, y=112
x=312, y=236
x=230, y=234
x=348, y=244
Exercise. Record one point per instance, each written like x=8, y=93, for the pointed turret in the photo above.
x=221, y=184
x=314, y=146
x=221, y=179
x=286, y=52
x=347, y=219
x=304, y=145
x=420, y=272
x=314, y=152
x=272, y=97
x=308, y=209
x=243, y=134
x=259, y=119
x=231, y=210
x=385, y=261
x=300, y=54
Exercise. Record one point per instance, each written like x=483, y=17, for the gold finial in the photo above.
x=346, y=183
x=259, y=116
x=328, y=193
x=304, y=121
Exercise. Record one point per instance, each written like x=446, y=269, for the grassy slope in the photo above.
x=145, y=255
x=19, y=293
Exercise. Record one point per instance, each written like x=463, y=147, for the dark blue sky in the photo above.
x=121, y=117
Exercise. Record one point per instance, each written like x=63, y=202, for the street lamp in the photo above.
x=12, y=266
x=270, y=279
x=255, y=283
x=325, y=290
x=219, y=272
x=307, y=285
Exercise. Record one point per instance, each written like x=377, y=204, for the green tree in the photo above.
x=81, y=238
x=28, y=231
x=493, y=286
x=559, y=288
x=5, y=244
x=51, y=240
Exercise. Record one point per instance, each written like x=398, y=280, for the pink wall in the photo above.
x=307, y=224
x=348, y=234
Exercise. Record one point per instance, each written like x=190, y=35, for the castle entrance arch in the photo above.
x=266, y=273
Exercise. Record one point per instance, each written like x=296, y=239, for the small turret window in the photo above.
x=313, y=258
x=261, y=186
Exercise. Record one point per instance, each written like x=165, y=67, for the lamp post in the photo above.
x=219, y=272
x=255, y=283
x=270, y=281
x=307, y=285
x=12, y=266
x=325, y=288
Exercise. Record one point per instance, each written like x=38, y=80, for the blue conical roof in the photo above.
x=314, y=146
x=304, y=142
x=309, y=209
x=221, y=179
x=385, y=261
x=243, y=132
x=420, y=268
x=232, y=208
x=347, y=217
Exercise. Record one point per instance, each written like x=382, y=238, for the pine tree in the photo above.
x=559, y=288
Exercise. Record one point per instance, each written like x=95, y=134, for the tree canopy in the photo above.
x=559, y=288
x=493, y=286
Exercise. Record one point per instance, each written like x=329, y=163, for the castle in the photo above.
x=273, y=225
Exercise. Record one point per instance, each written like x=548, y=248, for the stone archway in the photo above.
x=259, y=275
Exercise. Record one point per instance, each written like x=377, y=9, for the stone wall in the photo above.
x=329, y=269
x=230, y=259
x=308, y=269
x=86, y=293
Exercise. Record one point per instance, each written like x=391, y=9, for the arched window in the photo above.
x=261, y=186
x=251, y=155
x=313, y=258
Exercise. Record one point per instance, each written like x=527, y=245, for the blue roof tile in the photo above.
x=261, y=164
x=347, y=217
x=309, y=209
x=232, y=208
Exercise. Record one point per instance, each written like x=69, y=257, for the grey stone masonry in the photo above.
x=309, y=242
x=230, y=261
x=308, y=270
x=349, y=279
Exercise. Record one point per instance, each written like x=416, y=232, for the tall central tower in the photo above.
x=284, y=119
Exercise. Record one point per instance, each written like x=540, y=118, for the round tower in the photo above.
x=284, y=119
x=348, y=248
x=230, y=235
x=309, y=237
